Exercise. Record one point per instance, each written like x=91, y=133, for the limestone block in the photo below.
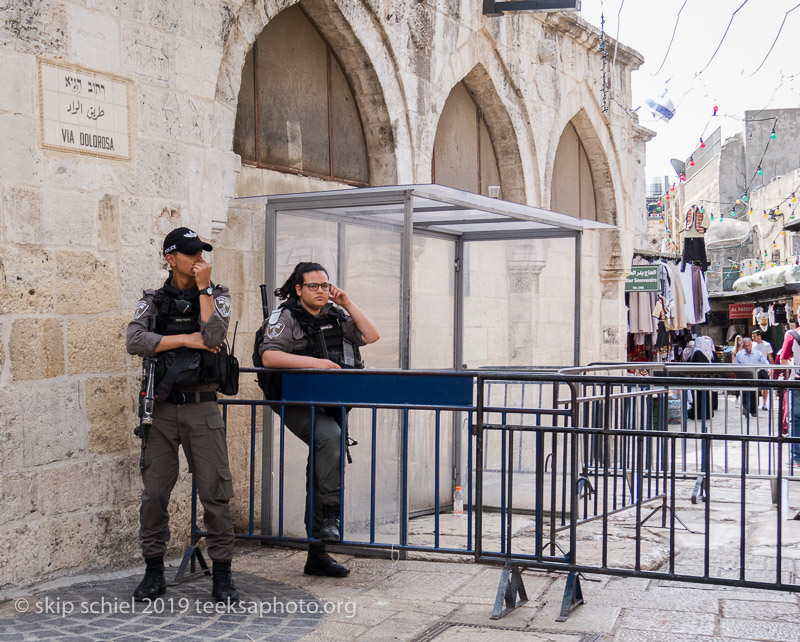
x=213, y=20
x=223, y=119
x=69, y=218
x=196, y=68
x=94, y=39
x=149, y=55
x=72, y=486
x=18, y=494
x=22, y=558
x=23, y=165
x=137, y=217
x=17, y=75
x=85, y=283
x=221, y=169
x=173, y=115
x=238, y=233
x=126, y=480
x=140, y=270
x=170, y=16
x=34, y=26
x=97, y=345
x=11, y=431
x=160, y=169
x=36, y=348
x=67, y=540
x=53, y=422
x=116, y=542
x=110, y=411
x=108, y=217
x=23, y=206
x=26, y=283
x=69, y=172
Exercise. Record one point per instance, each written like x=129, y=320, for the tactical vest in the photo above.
x=324, y=334
x=178, y=312
x=325, y=338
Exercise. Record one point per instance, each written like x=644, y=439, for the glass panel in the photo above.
x=305, y=239
x=519, y=310
x=244, y=135
x=373, y=282
x=432, y=303
x=349, y=151
x=293, y=94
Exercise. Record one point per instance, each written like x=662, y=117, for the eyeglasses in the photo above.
x=314, y=286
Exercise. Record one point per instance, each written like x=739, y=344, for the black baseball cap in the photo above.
x=185, y=241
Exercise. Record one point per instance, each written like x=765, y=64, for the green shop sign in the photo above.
x=643, y=278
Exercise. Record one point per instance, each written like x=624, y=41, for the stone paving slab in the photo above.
x=409, y=600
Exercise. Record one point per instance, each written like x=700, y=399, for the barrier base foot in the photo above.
x=510, y=587
x=191, y=558
x=573, y=596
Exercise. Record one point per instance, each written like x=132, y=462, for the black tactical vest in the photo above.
x=178, y=312
x=325, y=336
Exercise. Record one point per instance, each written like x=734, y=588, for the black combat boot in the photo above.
x=153, y=583
x=223, y=590
x=330, y=524
x=320, y=563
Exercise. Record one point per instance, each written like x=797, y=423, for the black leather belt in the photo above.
x=179, y=398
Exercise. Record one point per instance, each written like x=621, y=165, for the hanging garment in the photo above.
x=688, y=291
x=678, y=302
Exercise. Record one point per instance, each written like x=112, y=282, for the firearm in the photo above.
x=147, y=398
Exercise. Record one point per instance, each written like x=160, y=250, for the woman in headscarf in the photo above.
x=703, y=353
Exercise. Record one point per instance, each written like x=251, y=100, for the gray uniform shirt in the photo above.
x=142, y=343
x=282, y=332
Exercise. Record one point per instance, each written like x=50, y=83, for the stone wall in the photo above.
x=80, y=236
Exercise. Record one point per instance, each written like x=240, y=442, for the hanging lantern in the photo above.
x=750, y=213
x=772, y=135
x=716, y=109
x=760, y=171
x=744, y=197
x=702, y=144
x=691, y=161
x=682, y=177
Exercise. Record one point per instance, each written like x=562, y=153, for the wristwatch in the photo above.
x=209, y=291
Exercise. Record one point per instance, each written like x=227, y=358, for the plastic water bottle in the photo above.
x=458, y=501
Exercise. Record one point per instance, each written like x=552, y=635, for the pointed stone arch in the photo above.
x=375, y=91
x=478, y=66
x=598, y=147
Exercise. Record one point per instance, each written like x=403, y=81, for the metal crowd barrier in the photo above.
x=582, y=471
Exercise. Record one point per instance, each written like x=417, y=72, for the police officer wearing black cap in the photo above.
x=183, y=324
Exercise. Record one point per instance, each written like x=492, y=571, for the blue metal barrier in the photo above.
x=566, y=449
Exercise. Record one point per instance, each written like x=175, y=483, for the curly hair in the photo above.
x=287, y=290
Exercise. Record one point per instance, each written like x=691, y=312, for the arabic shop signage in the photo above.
x=84, y=111
x=643, y=278
x=740, y=310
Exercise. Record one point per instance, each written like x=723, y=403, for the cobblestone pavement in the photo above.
x=397, y=600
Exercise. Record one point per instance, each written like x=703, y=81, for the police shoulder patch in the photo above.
x=141, y=308
x=223, y=305
x=275, y=329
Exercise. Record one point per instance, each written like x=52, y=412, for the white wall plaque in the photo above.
x=84, y=111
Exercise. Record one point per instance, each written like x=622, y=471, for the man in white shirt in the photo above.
x=765, y=348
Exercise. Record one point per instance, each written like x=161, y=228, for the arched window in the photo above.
x=573, y=185
x=296, y=111
x=463, y=154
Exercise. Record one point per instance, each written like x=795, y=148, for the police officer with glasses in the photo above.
x=318, y=326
